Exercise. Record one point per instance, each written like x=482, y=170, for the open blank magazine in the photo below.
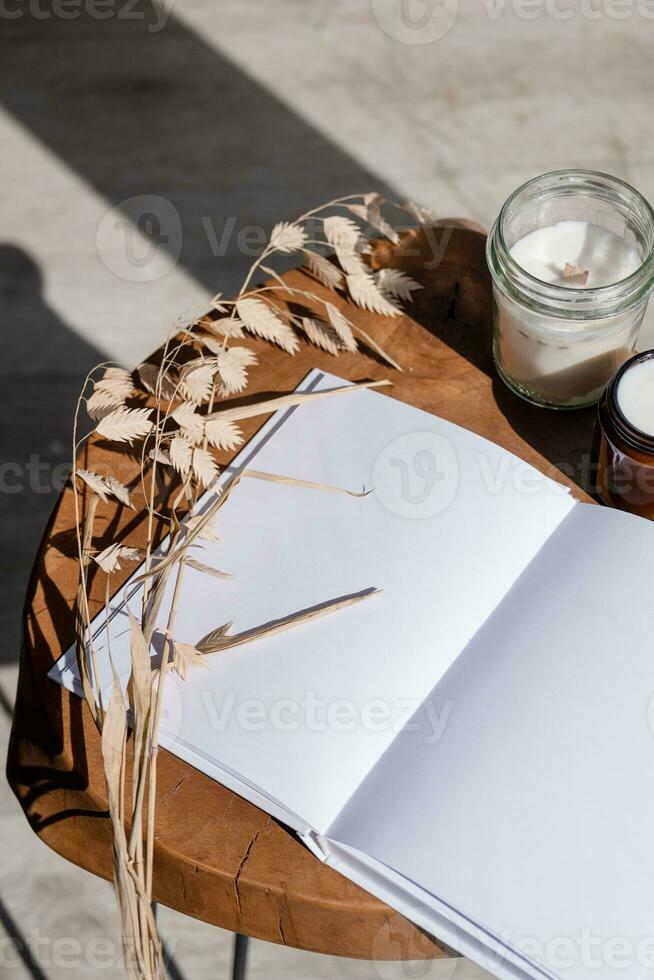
x=473, y=744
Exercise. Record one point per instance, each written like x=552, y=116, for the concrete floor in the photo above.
x=239, y=114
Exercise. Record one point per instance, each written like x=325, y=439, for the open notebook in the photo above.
x=474, y=744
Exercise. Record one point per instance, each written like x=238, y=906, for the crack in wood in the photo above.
x=280, y=929
x=171, y=792
x=239, y=870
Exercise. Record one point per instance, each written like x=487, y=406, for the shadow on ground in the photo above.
x=43, y=367
x=134, y=111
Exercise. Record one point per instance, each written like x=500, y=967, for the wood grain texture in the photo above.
x=217, y=857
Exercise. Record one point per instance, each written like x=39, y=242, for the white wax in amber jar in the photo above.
x=567, y=360
x=635, y=395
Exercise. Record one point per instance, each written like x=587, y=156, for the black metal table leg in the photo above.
x=239, y=962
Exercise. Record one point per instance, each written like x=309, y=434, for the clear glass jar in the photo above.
x=558, y=345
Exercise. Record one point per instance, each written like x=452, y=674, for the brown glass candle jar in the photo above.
x=623, y=456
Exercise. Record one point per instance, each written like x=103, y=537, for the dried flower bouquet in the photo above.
x=172, y=414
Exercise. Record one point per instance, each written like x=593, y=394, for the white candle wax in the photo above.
x=635, y=395
x=606, y=257
x=561, y=359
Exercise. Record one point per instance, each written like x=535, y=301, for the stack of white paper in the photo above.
x=473, y=743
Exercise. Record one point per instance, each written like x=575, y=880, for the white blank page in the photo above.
x=452, y=522
x=534, y=812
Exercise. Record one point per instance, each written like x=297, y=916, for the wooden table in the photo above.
x=217, y=857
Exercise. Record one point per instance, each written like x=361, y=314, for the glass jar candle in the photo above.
x=571, y=257
x=623, y=445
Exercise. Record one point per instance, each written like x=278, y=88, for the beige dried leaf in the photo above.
x=103, y=401
x=342, y=326
x=372, y=343
x=217, y=305
x=422, y=215
x=292, y=481
x=98, y=406
x=131, y=554
x=232, y=367
x=114, y=732
x=119, y=490
x=208, y=531
x=117, y=382
x=207, y=569
x=140, y=686
x=155, y=598
x=185, y=656
x=396, y=284
x=112, y=558
x=118, y=374
x=287, y=237
x=230, y=327
x=125, y=424
x=342, y=233
x=160, y=456
x=321, y=334
x=365, y=292
x=181, y=454
x=108, y=560
x=204, y=467
x=219, y=640
x=214, y=638
x=261, y=320
x=84, y=650
x=95, y=482
x=273, y=274
x=325, y=271
x=213, y=344
x=269, y=405
x=223, y=435
x=189, y=421
x=112, y=390
x=196, y=380
x=351, y=262
x=370, y=212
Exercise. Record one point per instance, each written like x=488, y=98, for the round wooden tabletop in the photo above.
x=217, y=857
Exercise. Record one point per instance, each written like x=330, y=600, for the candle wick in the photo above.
x=575, y=274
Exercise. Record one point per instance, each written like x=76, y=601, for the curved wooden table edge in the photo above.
x=217, y=857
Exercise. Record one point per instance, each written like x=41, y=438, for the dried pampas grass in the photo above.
x=201, y=365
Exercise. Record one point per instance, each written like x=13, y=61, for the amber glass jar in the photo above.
x=623, y=456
